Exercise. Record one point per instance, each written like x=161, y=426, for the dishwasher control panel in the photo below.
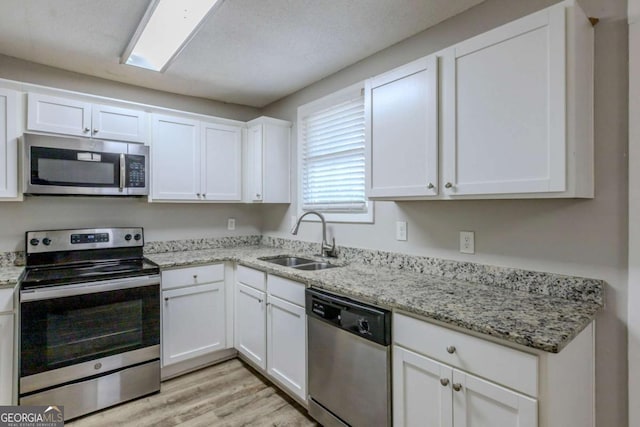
x=366, y=321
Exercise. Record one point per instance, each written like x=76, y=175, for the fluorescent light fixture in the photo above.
x=164, y=31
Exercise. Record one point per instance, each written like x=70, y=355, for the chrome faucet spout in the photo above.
x=325, y=249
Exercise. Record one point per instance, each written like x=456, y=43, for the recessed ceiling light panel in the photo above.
x=165, y=29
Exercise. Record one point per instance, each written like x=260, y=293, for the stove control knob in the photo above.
x=46, y=241
x=34, y=242
x=137, y=237
x=127, y=237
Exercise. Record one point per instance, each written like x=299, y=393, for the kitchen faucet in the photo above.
x=325, y=249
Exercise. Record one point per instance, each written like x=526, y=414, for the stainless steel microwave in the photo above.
x=56, y=165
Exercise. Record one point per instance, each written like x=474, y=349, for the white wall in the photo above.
x=576, y=237
x=634, y=211
x=162, y=221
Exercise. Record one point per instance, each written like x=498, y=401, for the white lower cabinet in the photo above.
x=193, y=313
x=429, y=393
x=286, y=344
x=250, y=324
x=271, y=327
x=6, y=347
x=443, y=377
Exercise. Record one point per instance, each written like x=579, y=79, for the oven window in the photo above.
x=64, y=331
x=75, y=172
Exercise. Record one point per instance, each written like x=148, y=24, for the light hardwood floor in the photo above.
x=228, y=394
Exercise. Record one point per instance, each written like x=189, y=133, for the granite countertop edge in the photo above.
x=532, y=320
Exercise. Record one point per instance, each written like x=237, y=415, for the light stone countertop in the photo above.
x=537, y=321
x=9, y=276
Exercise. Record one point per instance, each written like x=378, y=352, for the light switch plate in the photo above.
x=401, y=230
x=231, y=224
x=467, y=242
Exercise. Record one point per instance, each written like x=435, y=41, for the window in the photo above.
x=331, y=157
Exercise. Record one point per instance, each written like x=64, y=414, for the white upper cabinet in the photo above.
x=221, y=162
x=268, y=161
x=401, y=131
x=72, y=117
x=8, y=144
x=514, y=116
x=175, y=158
x=195, y=161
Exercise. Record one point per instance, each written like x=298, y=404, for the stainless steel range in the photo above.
x=89, y=320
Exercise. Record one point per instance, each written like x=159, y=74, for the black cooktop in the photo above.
x=39, y=277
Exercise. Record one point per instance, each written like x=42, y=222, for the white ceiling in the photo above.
x=250, y=52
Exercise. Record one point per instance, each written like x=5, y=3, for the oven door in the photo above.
x=75, y=166
x=71, y=332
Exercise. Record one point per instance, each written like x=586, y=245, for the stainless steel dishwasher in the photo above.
x=348, y=361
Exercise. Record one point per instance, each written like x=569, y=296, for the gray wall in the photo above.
x=576, y=237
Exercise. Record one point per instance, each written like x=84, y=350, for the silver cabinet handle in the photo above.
x=85, y=130
x=448, y=185
x=95, y=131
x=430, y=186
x=451, y=349
x=457, y=386
x=444, y=381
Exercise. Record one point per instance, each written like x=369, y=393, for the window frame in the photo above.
x=325, y=102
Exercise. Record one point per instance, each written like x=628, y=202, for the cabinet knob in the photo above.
x=448, y=185
x=430, y=186
x=166, y=299
x=85, y=130
x=444, y=381
x=204, y=196
x=95, y=131
x=451, y=349
x=257, y=195
x=195, y=277
x=198, y=194
x=457, y=386
x=259, y=301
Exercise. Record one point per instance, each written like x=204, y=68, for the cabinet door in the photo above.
x=58, y=115
x=276, y=153
x=6, y=359
x=504, y=106
x=401, y=131
x=120, y=124
x=8, y=143
x=250, y=324
x=287, y=345
x=193, y=322
x=254, y=148
x=175, y=158
x=480, y=403
x=221, y=162
x=421, y=391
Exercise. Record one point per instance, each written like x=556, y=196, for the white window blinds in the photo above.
x=333, y=158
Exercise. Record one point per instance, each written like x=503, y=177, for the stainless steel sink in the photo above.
x=287, y=261
x=316, y=266
x=298, y=263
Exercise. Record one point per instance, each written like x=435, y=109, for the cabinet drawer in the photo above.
x=497, y=363
x=192, y=276
x=288, y=290
x=6, y=300
x=251, y=277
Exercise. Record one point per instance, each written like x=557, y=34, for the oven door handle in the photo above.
x=88, y=288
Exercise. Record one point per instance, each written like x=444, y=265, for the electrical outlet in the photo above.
x=467, y=242
x=231, y=224
x=401, y=230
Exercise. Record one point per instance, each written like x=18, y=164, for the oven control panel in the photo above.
x=80, y=239
x=89, y=238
